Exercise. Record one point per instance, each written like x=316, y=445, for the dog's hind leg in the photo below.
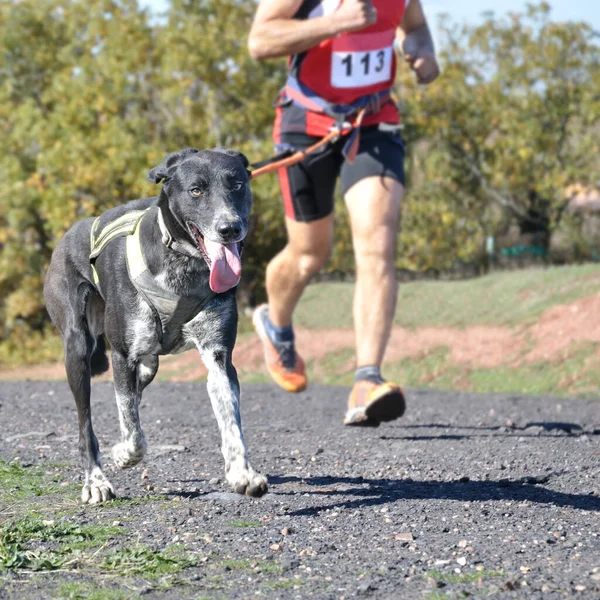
x=132, y=447
x=79, y=346
x=224, y=391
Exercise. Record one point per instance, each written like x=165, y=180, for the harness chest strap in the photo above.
x=123, y=225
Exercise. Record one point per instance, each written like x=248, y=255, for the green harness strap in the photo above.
x=124, y=225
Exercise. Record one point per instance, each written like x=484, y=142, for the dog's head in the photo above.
x=208, y=194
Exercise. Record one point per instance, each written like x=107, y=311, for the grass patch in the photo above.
x=432, y=369
x=469, y=577
x=506, y=298
x=131, y=502
x=21, y=481
x=250, y=565
x=37, y=545
x=243, y=523
x=578, y=374
x=335, y=368
x=141, y=560
x=88, y=591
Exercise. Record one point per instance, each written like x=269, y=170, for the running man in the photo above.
x=341, y=60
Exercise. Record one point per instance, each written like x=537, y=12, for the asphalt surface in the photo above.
x=467, y=495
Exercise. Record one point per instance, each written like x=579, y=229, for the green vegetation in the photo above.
x=141, y=560
x=251, y=565
x=243, y=523
x=88, y=591
x=502, y=298
x=18, y=481
x=36, y=545
x=463, y=577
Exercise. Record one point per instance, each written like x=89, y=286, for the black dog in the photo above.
x=157, y=276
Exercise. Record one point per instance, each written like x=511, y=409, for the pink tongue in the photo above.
x=225, y=265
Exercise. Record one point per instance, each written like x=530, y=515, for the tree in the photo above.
x=97, y=100
x=512, y=121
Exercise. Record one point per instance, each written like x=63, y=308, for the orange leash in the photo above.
x=300, y=155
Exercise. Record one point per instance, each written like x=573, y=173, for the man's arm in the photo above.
x=275, y=32
x=415, y=40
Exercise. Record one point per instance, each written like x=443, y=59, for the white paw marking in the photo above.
x=245, y=480
x=128, y=453
x=97, y=488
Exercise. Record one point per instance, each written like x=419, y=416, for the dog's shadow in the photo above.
x=374, y=492
x=363, y=492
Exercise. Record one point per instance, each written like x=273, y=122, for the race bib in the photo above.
x=362, y=60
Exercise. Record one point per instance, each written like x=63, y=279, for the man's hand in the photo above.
x=353, y=15
x=418, y=52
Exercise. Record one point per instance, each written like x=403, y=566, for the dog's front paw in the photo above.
x=129, y=453
x=97, y=488
x=245, y=480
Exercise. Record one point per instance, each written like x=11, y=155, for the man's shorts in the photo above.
x=308, y=187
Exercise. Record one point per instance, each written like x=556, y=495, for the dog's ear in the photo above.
x=160, y=172
x=235, y=154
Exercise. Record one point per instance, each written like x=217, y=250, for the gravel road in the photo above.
x=467, y=495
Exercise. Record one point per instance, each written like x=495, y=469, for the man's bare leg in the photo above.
x=307, y=251
x=288, y=273
x=374, y=207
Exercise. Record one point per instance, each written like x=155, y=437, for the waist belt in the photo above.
x=171, y=311
x=303, y=96
x=299, y=94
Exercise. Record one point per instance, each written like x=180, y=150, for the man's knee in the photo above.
x=309, y=264
x=309, y=261
x=378, y=244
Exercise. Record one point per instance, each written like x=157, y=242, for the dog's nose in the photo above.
x=229, y=230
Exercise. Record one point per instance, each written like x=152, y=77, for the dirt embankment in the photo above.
x=477, y=346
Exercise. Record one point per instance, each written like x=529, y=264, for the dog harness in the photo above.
x=171, y=311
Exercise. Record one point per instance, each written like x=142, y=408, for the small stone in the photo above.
x=580, y=588
x=213, y=481
x=405, y=536
x=64, y=484
x=144, y=475
x=48, y=522
x=462, y=544
x=525, y=569
x=116, y=523
x=286, y=531
x=461, y=560
x=275, y=547
x=595, y=576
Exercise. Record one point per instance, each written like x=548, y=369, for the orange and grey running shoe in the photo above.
x=283, y=362
x=371, y=403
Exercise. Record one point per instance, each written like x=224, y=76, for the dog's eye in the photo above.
x=196, y=191
x=237, y=186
